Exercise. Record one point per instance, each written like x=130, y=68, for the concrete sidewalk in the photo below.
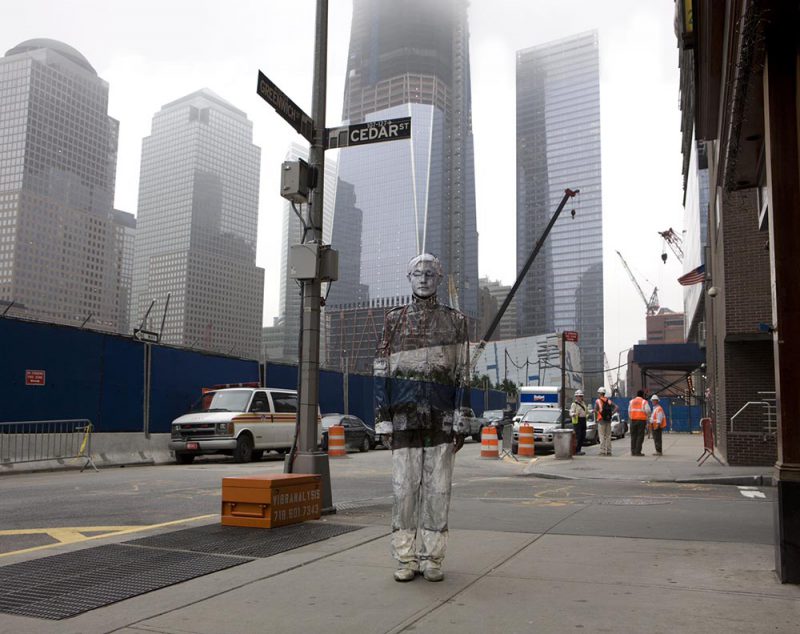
x=678, y=464
x=496, y=582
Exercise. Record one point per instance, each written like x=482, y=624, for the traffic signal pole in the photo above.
x=308, y=459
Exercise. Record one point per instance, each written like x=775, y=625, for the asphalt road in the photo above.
x=41, y=509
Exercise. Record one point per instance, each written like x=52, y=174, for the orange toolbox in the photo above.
x=267, y=501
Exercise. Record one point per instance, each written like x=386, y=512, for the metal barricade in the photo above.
x=39, y=440
x=507, y=432
x=708, y=442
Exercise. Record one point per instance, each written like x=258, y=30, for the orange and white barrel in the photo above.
x=489, y=448
x=526, y=446
x=336, y=448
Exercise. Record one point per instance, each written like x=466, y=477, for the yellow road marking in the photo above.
x=565, y=491
x=79, y=529
x=73, y=535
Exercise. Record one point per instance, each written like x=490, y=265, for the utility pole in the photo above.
x=308, y=459
x=312, y=262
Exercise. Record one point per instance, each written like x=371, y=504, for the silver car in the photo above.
x=544, y=421
x=618, y=429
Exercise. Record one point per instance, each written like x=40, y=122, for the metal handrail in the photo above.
x=770, y=413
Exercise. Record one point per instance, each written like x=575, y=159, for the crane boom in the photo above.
x=611, y=385
x=652, y=304
x=675, y=244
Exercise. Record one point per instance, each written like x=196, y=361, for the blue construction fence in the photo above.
x=680, y=417
x=52, y=372
x=360, y=392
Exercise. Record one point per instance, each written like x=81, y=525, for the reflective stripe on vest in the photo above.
x=637, y=409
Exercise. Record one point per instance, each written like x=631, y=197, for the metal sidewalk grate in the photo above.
x=244, y=542
x=65, y=585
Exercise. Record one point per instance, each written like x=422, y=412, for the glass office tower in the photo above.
x=558, y=147
x=197, y=227
x=58, y=156
x=407, y=59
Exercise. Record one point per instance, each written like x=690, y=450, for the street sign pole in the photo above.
x=307, y=458
x=563, y=397
x=566, y=335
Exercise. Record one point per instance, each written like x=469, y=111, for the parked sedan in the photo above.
x=592, y=434
x=357, y=434
x=544, y=421
x=618, y=429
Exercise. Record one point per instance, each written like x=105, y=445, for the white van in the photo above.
x=242, y=422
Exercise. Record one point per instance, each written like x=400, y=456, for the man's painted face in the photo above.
x=424, y=279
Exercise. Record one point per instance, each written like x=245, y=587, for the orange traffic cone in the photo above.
x=526, y=446
x=489, y=443
x=336, y=441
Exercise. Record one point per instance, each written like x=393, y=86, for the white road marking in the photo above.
x=751, y=492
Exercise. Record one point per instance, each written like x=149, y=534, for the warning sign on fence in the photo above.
x=34, y=377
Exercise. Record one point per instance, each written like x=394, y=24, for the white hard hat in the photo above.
x=654, y=397
x=601, y=390
x=578, y=392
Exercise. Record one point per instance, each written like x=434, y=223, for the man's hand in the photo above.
x=458, y=442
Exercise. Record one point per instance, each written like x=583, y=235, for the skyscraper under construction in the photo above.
x=408, y=58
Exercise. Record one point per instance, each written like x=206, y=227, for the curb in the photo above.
x=736, y=480
x=751, y=480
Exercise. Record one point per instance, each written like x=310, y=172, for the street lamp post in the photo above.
x=308, y=459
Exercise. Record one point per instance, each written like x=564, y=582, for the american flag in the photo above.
x=695, y=276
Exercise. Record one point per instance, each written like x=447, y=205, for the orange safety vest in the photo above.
x=657, y=420
x=637, y=409
x=598, y=406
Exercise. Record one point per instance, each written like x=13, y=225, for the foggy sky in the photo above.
x=154, y=52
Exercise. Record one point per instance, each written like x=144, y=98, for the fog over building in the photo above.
x=197, y=227
x=558, y=147
x=61, y=251
x=406, y=59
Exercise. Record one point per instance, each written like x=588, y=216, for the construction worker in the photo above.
x=658, y=421
x=421, y=378
x=577, y=412
x=638, y=414
x=604, y=409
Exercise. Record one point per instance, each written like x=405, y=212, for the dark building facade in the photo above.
x=740, y=64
